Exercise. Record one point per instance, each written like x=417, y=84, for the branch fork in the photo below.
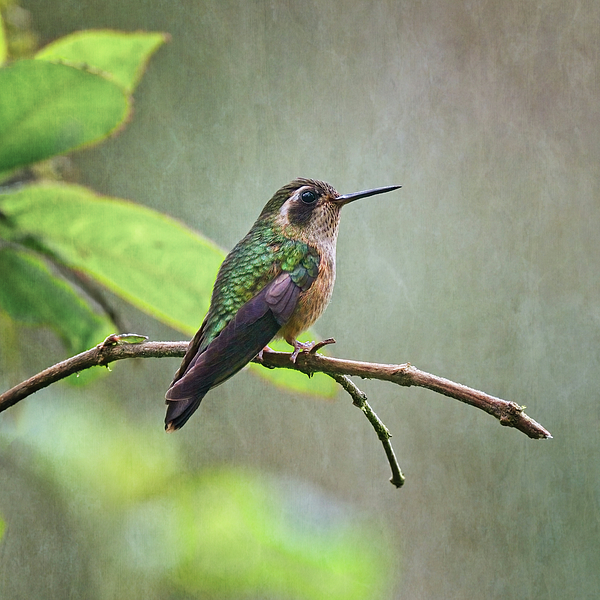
x=121, y=346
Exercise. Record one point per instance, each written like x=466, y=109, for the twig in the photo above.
x=509, y=414
x=359, y=399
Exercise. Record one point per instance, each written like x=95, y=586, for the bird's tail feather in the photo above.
x=179, y=411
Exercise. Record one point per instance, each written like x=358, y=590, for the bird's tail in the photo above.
x=179, y=411
x=245, y=335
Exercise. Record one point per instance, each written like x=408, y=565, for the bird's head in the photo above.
x=309, y=210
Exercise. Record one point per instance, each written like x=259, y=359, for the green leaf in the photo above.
x=122, y=55
x=32, y=295
x=2, y=527
x=147, y=258
x=48, y=109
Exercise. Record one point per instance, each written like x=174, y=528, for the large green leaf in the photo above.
x=48, y=109
x=151, y=260
x=122, y=55
x=32, y=295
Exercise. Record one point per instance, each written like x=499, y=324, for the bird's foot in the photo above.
x=310, y=347
x=259, y=357
x=300, y=347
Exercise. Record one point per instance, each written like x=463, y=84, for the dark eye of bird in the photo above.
x=308, y=197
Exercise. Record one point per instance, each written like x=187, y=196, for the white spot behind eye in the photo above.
x=295, y=197
x=285, y=208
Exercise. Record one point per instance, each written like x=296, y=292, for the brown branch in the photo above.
x=112, y=349
x=120, y=347
x=508, y=413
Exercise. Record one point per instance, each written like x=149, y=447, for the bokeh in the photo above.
x=483, y=269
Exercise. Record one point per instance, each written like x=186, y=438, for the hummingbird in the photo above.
x=276, y=282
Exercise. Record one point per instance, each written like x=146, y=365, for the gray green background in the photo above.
x=484, y=269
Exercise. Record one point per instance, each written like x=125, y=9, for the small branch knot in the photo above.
x=511, y=412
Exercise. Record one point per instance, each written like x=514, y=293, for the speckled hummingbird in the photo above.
x=276, y=282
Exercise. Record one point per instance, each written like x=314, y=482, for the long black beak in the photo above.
x=347, y=198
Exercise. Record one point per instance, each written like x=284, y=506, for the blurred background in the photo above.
x=482, y=269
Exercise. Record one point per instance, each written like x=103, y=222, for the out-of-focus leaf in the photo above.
x=48, y=109
x=3, y=46
x=145, y=257
x=225, y=533
x=109, y=458
x=237, y=535
x=120, y=54
x=2, y=527
x=32, y=295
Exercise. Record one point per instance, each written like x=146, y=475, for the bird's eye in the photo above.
x=308, y=197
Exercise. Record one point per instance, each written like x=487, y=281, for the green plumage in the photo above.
x=252, y=263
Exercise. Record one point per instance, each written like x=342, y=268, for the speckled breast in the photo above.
x=313, y=301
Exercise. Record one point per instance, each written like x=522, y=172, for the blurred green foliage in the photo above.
x=27, y=279
x=3, y=46
x=17, y=39
x=219, y=533
x=46, y=109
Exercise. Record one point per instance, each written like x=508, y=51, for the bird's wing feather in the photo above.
x=254, y=325
x=191, y=352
